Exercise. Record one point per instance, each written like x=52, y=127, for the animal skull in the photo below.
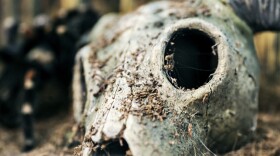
x=172, y=78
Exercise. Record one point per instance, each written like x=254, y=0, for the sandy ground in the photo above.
x=51, y=137
x=51, y=133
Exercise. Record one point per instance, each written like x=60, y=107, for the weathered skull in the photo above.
x=172, y=78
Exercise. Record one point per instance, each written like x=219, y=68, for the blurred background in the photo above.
x=26, y=10
x=267, y=45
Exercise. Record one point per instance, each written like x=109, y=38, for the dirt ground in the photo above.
x=51, y=137
x=52, y=133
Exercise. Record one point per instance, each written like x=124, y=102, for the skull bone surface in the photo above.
x=172, y=78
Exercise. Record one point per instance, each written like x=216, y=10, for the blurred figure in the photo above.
x=37, y=61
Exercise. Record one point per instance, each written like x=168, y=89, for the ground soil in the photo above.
x=52, y=133
x=51, y=137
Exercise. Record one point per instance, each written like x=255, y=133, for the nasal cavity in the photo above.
x=190, y=58
x=116, y=147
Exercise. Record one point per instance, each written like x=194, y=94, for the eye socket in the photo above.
x=190, y=58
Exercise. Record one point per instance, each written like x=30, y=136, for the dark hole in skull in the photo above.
x=83, y=85
x=117, y=148
x=190, y=58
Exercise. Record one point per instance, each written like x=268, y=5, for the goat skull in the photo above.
x=138, y=81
